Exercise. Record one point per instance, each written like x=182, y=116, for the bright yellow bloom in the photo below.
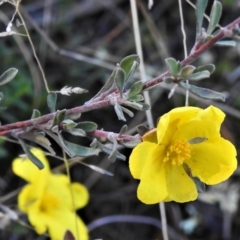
x=185, y=143
x=47, y=199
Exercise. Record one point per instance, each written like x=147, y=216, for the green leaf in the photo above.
x=215, y=15
x=136, y=98
x=68, y=124
x=133, y=105
x=119, y=112
x=186, y=71
x=197, y=140
x=227, y=43
x=130, y=65
x=51, y=101
x=200, y=10
x=131, y=144
x=35, y=114
x=173, y=66
x=77, y=132
x=39, y=139
x=142, y=129
x=87, y=126
x=135, y=89
x=199, y=75
x=79, y=150
x=74, y=116
x=119, y=80
x=32, y=157
x=145, y=106
x=204, y=92
x=8, y=76
x=168, y=80
x=207, y=67
x=61, y=115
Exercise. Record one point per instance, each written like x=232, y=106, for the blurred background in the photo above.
x=79, y=42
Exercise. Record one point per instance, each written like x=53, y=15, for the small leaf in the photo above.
x=197, y=140
x=136, y=98
x=133, y=105
x=215, y=15
x=204, y=92
x=8, y=76
x=186, y=71
x=74, y=116
x=81, y=151
x=199, y=76
x=61, y=115
x=68, y=236
x=145, y=106
x=69, y=126
x=207, y=67
x=98, y=169
x=32, y=157
x=173, y=66
x=227, y=43
x=142, y=129
x=87, y=126
x=130, y=64
x=51, y=101
x=128, y=112
x=200, y=10
x=94, y=143
x=119, y=112
x=77, y=132
x=123, y=130
x=119, y=80
x=55, y=129
x=135, y=89
x=35, y=114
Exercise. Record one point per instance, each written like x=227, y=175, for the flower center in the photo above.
x=48, y=202
x=177, y=152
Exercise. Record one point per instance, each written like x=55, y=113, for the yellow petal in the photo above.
x=180, y=186
x=169, y=122
x=60, y=188
x=25, y=169
x=57, y=222
x=138, y=158
x=31, y=196
x=213, y=161
x=150, y=136
x=152, y=188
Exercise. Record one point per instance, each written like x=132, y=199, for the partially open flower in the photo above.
x=186, y=143
x=50, y=200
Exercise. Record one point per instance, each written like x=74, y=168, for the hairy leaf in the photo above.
x=8, y=76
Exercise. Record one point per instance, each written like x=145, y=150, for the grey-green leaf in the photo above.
x=51, y=101
x=87, y=126
x=142, y=129
x=136, y=98
x=131, y=144
x=77, y=132
x=186, y=71
x=135, y=89
x=226, y=43
x=207, y=67
x=31, y=156
x=204, y=92
x=119, y=112
x=130, y=64
x=8, y=76
x=35, y=114
x=123, y=130
x=61, y=115
x=199, y=75
x=128, y=112
x=81, y=151
x=201, y=187
x=200, y=10
x=120, y=79
x=215, y=15
x=173, y=66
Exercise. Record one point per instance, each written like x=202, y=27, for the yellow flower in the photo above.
x=185, y=143
x=47, y=199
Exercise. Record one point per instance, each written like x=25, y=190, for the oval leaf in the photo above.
x=8, y=76
x=135, y=89
x=207, y=67
x=119, y=80
x=51, y=101
x=204, y=92
x=87, y=126
x=173, y=66
x=186, y=71
x=215, y=15
x=200, y=10
x=77, y=132
x=199, y=75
